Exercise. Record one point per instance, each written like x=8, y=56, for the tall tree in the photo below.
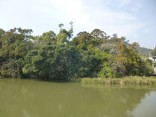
x=14, y=46
x=64, y=35
x=97, y=33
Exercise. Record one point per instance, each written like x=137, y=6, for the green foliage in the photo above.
x=82, y=40
x=53, y=62
x=14, y=46
x=53, y=56
x=126, y=81
x=90, y=64
x=9, y=69
x=154, y=52
x=63, y=37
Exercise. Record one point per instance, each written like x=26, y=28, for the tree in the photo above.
x=64, y=36
x=134, y=46
x=60, y=26
x=53, y=56
x=46, y=38
x=14, y=46
x=97, y=33
x=53, y=62
x=2, y=32
x=154, y=52
x=82, y=40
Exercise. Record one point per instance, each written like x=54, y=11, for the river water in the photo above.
x=31, y=98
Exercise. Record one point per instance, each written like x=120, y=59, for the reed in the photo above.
x=121, y=81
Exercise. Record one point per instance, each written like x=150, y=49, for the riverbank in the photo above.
x=138, y=81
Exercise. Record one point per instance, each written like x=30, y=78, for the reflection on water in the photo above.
x=29, y=98
x=147, y=107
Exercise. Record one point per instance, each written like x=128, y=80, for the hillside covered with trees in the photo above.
x=153, y=52
x=144, y=51
x=61, y=56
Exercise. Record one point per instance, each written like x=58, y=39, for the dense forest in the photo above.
x=61, y=56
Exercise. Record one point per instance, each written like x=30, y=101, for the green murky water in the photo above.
x=30, y=98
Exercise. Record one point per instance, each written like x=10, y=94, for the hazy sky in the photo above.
x=134, y=19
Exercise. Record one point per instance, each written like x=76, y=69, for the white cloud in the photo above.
x=84, y=15
x=137, y=6
x=125, y=2
x=112, y=21
x=68, y=7
x=87, y=15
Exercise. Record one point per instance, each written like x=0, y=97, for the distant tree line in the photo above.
x=154, y=52
x=144, y=51
x=61, y=56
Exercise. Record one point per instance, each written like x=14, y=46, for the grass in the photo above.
x=137, y=81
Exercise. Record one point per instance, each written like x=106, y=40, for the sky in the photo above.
x=133, y=19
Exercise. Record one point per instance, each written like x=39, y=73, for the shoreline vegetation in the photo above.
x=125, y=81
x=63, y=57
